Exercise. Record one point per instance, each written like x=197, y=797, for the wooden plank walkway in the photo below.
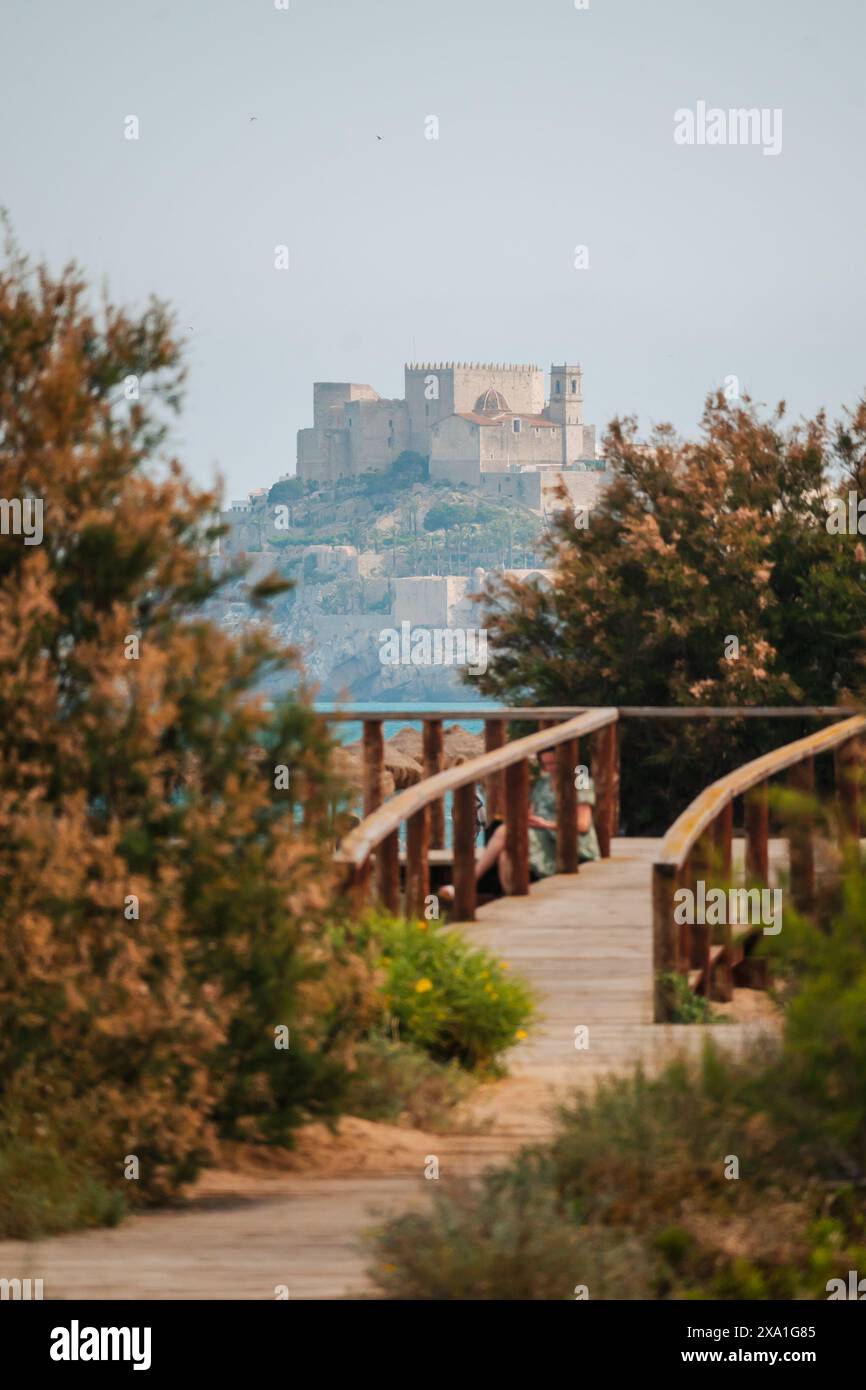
x=583, y=942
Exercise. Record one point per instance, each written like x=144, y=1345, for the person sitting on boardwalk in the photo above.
x=493, y=868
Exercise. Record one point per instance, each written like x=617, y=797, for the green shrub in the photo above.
x=819, y=1096
x=631, y=1200
x=502, y=1238
x=45, y=1189
x=442, y=516
x=684, y=1006
x=410, y=467
x=396, y=1080
x=505, y=1237
x=286, y=490
x=451, y=999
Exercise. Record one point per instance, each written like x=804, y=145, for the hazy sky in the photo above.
x=555, y=130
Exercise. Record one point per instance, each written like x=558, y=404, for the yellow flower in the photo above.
x=422, y=926
x=503, y=965
x=521, y=1034
x=422, y=986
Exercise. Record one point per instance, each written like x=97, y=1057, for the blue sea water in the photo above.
x=350, y=730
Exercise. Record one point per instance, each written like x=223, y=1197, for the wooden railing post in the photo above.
x=464, y=853
x=374, y=762
x=388, y=853
x=417, y=863
x=378, y=838
x=685, y=879
x=605, y=771
x=757, y=822
x=665, y=937
x=494, y=786
x=567, y=757
x=388, y=872
x=614, y=780
x=433, y=746
x=847, y=766
x=723, y=833
x=801, y=850
x=358, y=888
x=702, y=932
x=517, y=825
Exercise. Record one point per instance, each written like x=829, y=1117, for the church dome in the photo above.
x=492, y=403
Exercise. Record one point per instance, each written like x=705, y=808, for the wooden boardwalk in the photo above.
x=584, y=944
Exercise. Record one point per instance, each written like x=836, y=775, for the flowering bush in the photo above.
x=450, y=998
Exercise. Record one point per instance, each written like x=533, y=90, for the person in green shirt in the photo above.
x=542, y=821
x=492, y=868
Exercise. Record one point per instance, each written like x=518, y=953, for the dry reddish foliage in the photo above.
x=151, y=777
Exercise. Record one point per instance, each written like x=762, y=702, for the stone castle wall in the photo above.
x=333, y=395
x=435, y=390
x=378, y=432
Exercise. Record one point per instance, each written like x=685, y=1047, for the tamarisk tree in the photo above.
x=161, y=904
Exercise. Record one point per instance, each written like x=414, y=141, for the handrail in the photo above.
x=349, y=714
x=699, y=844
x=700, y=813
x=401, y=713
x=359, y=844
x=421, y=807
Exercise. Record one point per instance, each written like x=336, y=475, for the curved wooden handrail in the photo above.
x=358, y=845
x=698, y=846
x=699, y=815
x=348, y=714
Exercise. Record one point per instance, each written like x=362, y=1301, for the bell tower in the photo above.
x=566, y=409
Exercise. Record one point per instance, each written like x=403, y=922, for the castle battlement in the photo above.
x=470, y=367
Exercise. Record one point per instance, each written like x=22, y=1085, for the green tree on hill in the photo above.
x=443, y=516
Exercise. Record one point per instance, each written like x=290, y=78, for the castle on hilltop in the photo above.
x=469, y=419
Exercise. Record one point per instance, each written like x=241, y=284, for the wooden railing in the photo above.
x=496, y=721
x=504, y=771
x=698, y=844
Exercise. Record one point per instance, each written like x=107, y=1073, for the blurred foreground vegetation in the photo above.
x=177, y=967
x=733, y=1176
